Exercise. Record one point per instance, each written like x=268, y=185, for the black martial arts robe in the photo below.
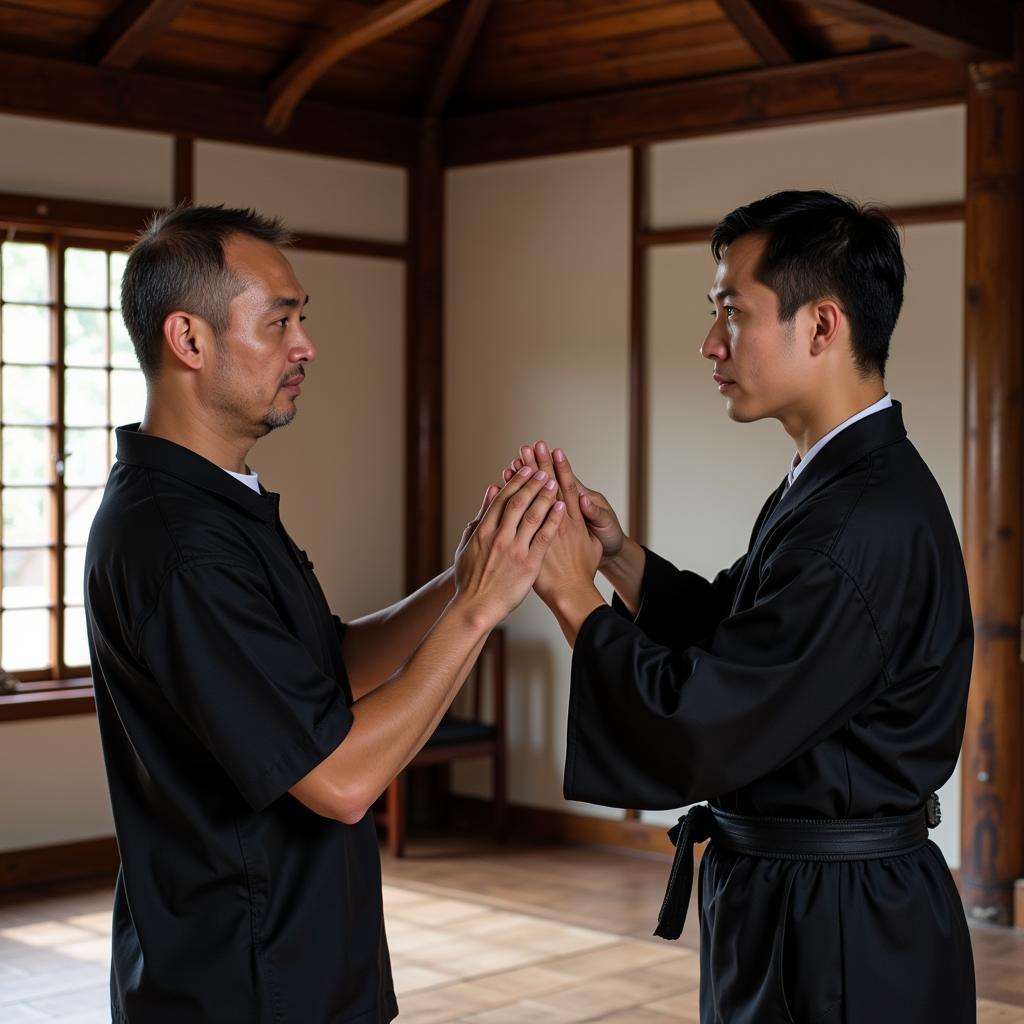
x=824, y=675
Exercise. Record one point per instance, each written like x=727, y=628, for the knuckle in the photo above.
x=533, y=515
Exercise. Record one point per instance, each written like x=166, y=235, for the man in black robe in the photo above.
x=815, y=691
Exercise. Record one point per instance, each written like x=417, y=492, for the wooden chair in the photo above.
x=457, y=738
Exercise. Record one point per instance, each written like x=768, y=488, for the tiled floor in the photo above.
x=464, y=949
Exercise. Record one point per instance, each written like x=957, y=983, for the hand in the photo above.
x=600, y=517
x=572, y=560
x=499, y=562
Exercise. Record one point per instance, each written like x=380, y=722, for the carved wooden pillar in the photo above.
x=992, y=822
x=424, y=369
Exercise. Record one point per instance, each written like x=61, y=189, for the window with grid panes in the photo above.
x=69, y=376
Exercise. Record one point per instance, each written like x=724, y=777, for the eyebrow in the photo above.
x=723, y=293
x=286, y=303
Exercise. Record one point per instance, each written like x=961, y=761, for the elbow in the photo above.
x=347, y=804
x=350, y=805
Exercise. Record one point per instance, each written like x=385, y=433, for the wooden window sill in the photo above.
x=70, y=697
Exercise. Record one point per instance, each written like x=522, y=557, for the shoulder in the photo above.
x=886, y=499
x=149, y=515
x=151, y=524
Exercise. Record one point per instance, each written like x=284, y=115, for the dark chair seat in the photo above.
x=451, y=731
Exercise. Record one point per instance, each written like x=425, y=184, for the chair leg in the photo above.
x=443, y=793
x=500, y=796
x=397, y=815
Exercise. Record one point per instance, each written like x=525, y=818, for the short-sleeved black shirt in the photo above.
x=219, y=684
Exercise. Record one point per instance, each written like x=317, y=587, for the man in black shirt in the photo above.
x=246, y=731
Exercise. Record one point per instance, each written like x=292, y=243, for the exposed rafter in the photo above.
x=872, y=83
x=296, y=80
x=764, y=25
x=41, y=87
x=124, y=38
x=467, y=29
x=975, y=31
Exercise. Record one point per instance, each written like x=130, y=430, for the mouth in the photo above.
x=293, y=386
x=724, y=383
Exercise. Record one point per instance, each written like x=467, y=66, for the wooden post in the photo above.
x=636, y=524
x=992, y=821
x=424, y=369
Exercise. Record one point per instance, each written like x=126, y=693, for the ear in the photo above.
x=185, y=336
x=828, y=322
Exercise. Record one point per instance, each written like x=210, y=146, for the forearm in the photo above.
x=376, y=645
x=625, y=572
x=394, y=720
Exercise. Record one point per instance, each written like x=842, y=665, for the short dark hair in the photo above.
x=819, y=245
x=178, y=263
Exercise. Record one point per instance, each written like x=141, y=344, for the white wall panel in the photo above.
x=909, y=159
x=319, y=194
x=79, y=161
x=537, y=322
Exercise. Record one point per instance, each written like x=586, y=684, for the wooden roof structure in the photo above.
x=506, y=77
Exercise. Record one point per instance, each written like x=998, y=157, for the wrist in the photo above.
x=575, y=602
x=626, y=562
x=473, y=616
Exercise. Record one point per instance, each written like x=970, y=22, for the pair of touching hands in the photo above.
x=543, y=529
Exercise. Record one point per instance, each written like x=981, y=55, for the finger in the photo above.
x=567, y=484
x=528, y=457
x=536, y=513
x=517, y=464
x=507, y=474
x=591, y=509
x=495, y=511
x=519, y=501
x=549, y=530
x=489, y=495
x=543, y=454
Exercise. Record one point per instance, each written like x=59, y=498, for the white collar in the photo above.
x=249, y=479
x=799, y=465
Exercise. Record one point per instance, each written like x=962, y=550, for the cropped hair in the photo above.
x=178, y=263
x=819, y=245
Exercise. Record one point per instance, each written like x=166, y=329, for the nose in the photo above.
x=714, y=346
x=303, y=351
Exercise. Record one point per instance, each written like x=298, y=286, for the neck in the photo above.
x=808, y=426
x=198, y=431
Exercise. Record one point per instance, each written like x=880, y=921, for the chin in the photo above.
x=739, y=413
x=278, y=418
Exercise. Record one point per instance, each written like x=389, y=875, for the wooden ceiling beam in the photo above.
x=125, y=37
x=460, y=47
x=288, y=89
x=763, y=24
x=874, y=83
x=976, y=31
x=70, y=91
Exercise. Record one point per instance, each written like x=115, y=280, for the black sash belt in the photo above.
x=786, y=838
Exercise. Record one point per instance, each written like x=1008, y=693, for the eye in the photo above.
x=729, y=310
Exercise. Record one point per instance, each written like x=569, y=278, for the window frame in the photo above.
x=57, y=689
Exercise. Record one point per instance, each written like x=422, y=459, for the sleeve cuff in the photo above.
x=298, y=760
